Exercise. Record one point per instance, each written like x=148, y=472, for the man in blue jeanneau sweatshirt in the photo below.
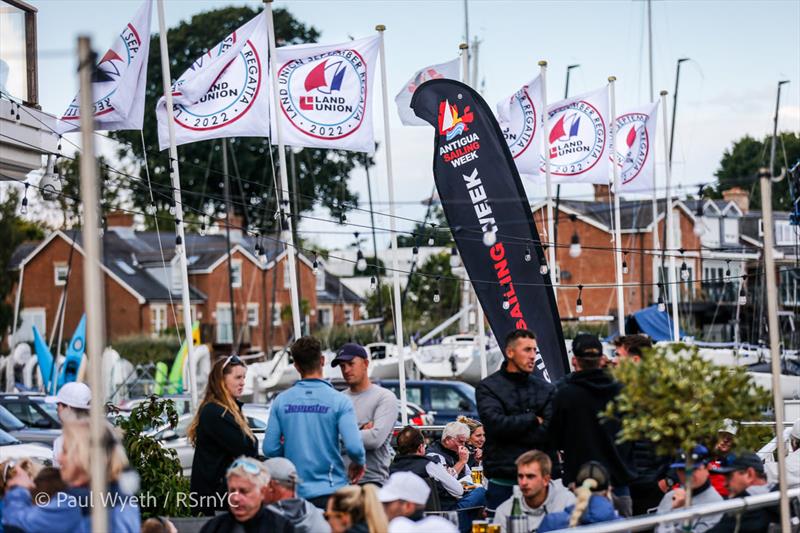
x=306, y=423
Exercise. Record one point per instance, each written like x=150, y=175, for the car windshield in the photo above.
x=9, y=421
x=6, y=439
x=50, y=408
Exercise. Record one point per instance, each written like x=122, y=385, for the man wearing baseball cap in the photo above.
x=745, y=476
x=404, y=496
x=72, y=403
x=376, y=410
x=280, y=495
x=579, y=431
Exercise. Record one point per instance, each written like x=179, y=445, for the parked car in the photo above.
x=14, y=426
x=176, y=439
x=445, y=400
x=12, y=448
x=32, y=410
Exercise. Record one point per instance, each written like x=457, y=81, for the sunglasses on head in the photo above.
x=7, y=468
x=248, y=465
x=232, y=359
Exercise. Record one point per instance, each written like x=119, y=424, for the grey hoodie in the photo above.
x=558, y=498
x=302, y=514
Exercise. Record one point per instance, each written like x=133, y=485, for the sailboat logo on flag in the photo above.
x=632, y=145
x=577, y=138
x=450, y=123
x=233, y=92
x=324, y=96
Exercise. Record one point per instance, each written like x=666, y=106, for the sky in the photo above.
x=738, y=49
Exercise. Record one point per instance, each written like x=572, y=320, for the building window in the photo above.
x=320, y=279
x=252, y=315
x=32, y=316
x=785, y=233
x=286, y=276
x=676, y=228
x=236, y=273
x=176, y=277
x=276, y=315
x=348, y=314
x=158, y=319
x=730, y=228
x=18, y=51
x=790, y=287
x=324, y=316
x=60, y=272
x=224, y=324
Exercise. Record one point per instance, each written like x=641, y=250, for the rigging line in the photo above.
x=161, y=249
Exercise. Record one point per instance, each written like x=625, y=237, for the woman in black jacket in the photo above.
x=219, y=433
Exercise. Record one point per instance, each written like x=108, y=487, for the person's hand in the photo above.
x=540, y=420
x=463, y=454
x=368, y=425
x=662, y=484
x=478, y=454
x=355, y=472
x=678, y=498
x=20, y=479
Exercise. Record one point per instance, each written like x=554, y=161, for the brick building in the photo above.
x=143, y=291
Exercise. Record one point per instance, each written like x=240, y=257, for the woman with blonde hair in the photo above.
x=72, y=513
x=592, y=504
x=219, y=433
x=477, y=438
x=356, y=509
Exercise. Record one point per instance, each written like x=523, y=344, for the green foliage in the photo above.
x=160, y=473
x=140, y=349
x=421, y=233
x=69, y=202
x=677, y=399
x=13, y=232
x=740, y=164
x=572, y=328
x=333, y=337
x=321, y=174
x=375, y=267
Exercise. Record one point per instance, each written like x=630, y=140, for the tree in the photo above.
x=321, y=174
x=739, y=166
x=13, y=232
x=678, y=399
x=436, y=228
x=69, y=201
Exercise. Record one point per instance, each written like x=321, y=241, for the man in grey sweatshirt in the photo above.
x=376, y=411
x=281, y=498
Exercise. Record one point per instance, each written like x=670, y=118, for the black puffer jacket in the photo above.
x=509, y=404
x=581, y=434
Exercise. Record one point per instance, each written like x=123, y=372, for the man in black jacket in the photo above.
x=577, y=428
x=515, y=409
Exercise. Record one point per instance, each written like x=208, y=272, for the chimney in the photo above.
x=738, y=196
x=602, y=193
x=119, y=220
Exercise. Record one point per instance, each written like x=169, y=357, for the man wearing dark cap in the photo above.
x=745, y=476
x=376, y=410
x=576, y=427
x=702, y=492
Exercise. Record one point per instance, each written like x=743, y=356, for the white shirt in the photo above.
x=450, y=483
x=792, y=469
x=401, y=524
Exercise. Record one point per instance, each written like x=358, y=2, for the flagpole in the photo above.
x=398, y=311
x=669, y=233
x=464, y=47
x=551, y=249
x=180, y=238
x=92, y=284
x=617, y=229
x=288, y=236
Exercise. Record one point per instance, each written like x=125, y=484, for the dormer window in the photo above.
x=18, y=68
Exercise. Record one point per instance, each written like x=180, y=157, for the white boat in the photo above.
x=270, y=376
x=456, y=357
x=383, y=362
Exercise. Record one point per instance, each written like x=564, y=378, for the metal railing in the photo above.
x=646, y=522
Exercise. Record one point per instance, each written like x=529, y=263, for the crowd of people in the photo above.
x=540, y=458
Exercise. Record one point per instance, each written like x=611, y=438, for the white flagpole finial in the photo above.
x=380, y=27
x=542, y=63
x=664, y=93
x=463, y=46
x=612, y=79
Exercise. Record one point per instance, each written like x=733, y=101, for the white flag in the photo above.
x=634, y=143
x=119, y=102
x=225, y=93
x=520, y=119
x=325, y=94
x=447, y=70
x=578, y=144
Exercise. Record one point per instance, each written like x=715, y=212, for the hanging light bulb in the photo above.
x=361, y=263
x=575, y=246
x=373, y=283
x=543, y=268
x=742, y=292
x=59, y=143
x=172, y=209
x=414, y=254
x=727, y=268
x=23, y=206
x=455, y=261
x=506, y=303
x=661, y=306
x=203, y=232
x=315, y=267
x=489, y=238
x=684, y=271
x=431, y=237
x=625, y=263
x=527, y=256
x=579, y=301
x=178, y=245
x=436, y=295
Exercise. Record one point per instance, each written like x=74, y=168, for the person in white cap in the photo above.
x=72, y=403
x=792, y=460
x=403, y=497
x=280, y=495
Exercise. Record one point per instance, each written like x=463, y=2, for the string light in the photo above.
x=742, y=291
x=361, y=263
x=23, y=206
x=315, y=264
x=579, y=301
x=178, y=245
x=506, y=303
x=414, y=254
x=699, y=226
x=489, y=238
x=203, y=232
x=575, y=246
x=436, y=295
x=455, y=261
x=727, y=269
x=684, y=267
x=373, y=283
x=527, y=255
x=625, y=262
x=59, y=143
x=431, y=240
x=661, y=306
